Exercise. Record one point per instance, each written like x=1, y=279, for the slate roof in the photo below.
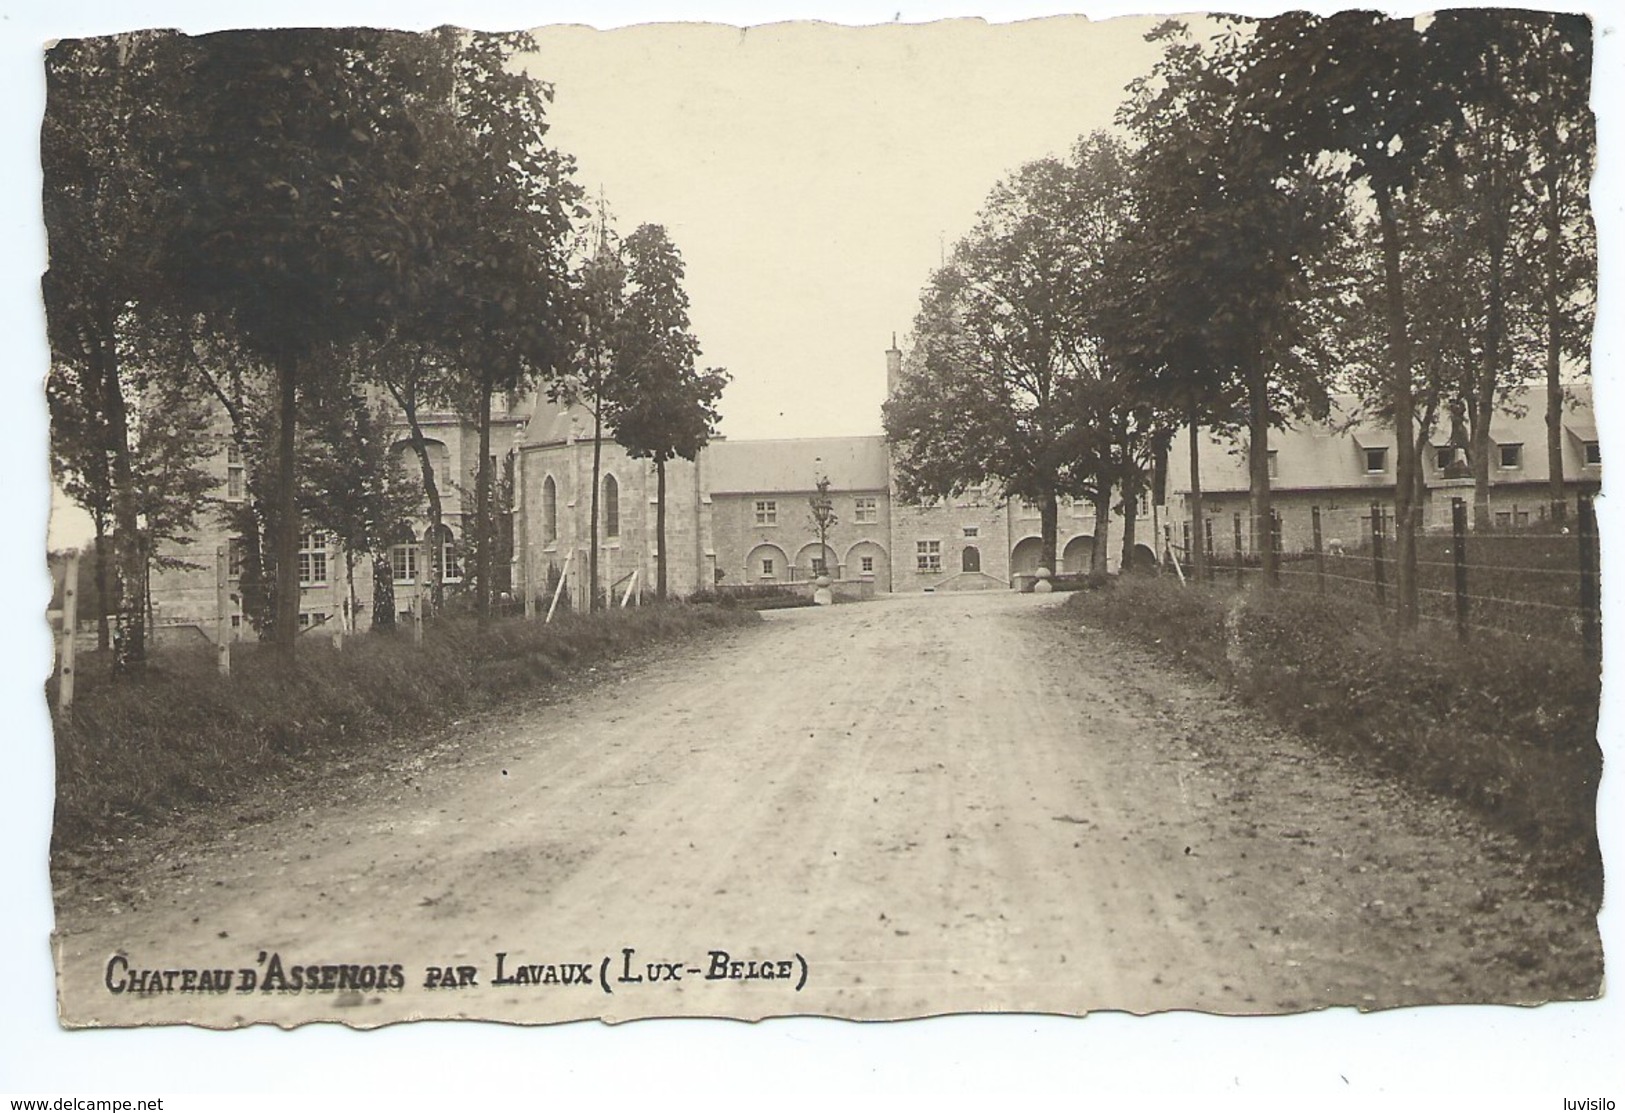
x=793, y=466
x=1330, y=455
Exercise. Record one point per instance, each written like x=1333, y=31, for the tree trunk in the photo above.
x=660, y=528
x=103, y=635
x=484, y=533
x=1480, y=449
x=1048, y=513
x=350, y=606
x=1258, y=467
x=130, y=638
x=383, y=595
x=431, y=491
x=1131, y=514
x=1399, y=354
x=285, y=626
x=1554, y=341
x=597, y=463
x=1197, y=554
x=1102, y=501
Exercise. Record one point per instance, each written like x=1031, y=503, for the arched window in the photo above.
x=612, y=507
x=550, y=510
x=446, y=557
x=970, y=560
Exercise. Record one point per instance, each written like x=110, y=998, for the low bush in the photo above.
x=756, y=597
x=181, y=735
x=1505, y=724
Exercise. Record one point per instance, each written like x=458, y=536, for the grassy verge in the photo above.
x=181, y=736
x=1505, y=726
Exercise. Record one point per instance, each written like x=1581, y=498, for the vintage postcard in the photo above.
x=812, y=520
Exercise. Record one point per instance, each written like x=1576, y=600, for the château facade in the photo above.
x=740, y=513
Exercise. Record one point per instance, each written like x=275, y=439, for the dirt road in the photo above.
x=916, y=806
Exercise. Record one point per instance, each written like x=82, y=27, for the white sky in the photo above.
x=854, y=235
x=811, y=174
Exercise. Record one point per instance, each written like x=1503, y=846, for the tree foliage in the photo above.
x=662, y=406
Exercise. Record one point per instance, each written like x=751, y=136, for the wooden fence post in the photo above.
x=68, y=644
x=1377, y=572
x=1320, y=553
x=1589, y=595
x=222, y=610
x=564, y=574
x=1458, y=546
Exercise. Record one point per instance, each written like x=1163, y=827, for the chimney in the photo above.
x=894, y=366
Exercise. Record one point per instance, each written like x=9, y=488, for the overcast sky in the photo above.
x=811, y=175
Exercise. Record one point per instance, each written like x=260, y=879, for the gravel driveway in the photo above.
x=920, y=805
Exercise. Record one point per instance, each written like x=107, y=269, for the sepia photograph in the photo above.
x=866, y=519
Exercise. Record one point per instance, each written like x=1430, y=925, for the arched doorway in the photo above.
x=970, y=559
x=813, y=556
x=866, y=560
x=1025, y=556
x=766, y=564
x=1077, y=556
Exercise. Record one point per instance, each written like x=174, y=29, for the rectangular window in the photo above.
x=312, y=559
x=234, y=472
x=972, y=531
x=1503, y=518
x=928, y=556
x=820, y=566
x=234, y=558
x=1521, y=517
x=767, y=566
x=1443, y=455
x=865, y=510
x=1593, y=453
x=403, y=563
x=867, y=565
x=1511, y=455
x=1376, y=460
x=1273, y=464
x=767, y=512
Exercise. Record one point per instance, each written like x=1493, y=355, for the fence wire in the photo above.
x=1533, y=583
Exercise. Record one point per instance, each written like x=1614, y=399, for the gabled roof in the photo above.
x=794, y=466
x=552, y=423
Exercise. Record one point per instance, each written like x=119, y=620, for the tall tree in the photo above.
x=1221, y=267
x=105, y=199
x=507, y=305
x=600, y=297
x=1362, y=94
x=663, y=406
x=300, y=167
x=352, y=486
x=1006, y=360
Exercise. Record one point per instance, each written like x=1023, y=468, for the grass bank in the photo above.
x=1504, y=725
x=181, y=736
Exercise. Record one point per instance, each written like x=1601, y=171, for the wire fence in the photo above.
x=1536, y=581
